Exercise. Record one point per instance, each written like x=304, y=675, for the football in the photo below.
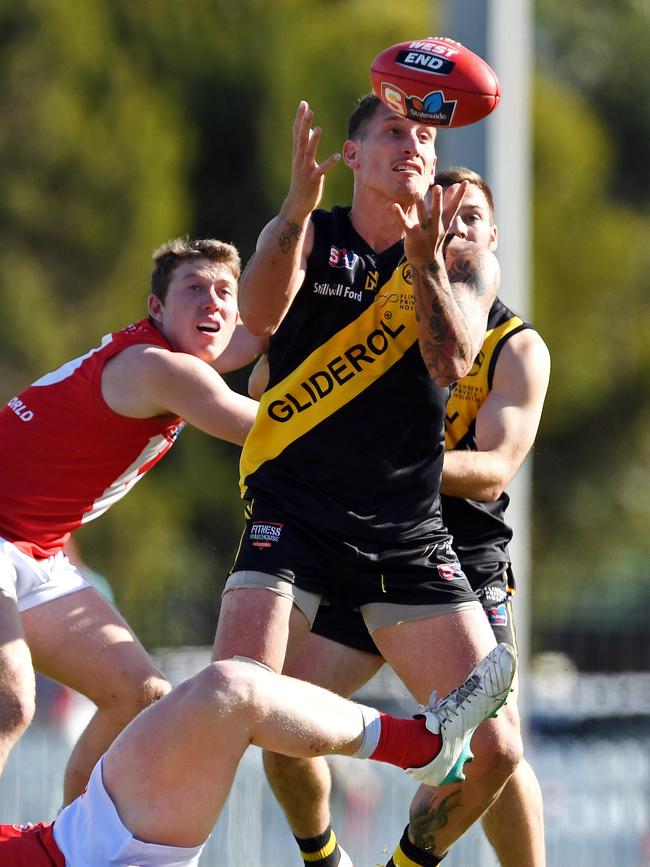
x=435, y=81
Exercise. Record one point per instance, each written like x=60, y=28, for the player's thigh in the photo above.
x=332, y=665
x=170, y=771
x=436, y=652
x=82, y=641
x=259, y=623
x=16, y=672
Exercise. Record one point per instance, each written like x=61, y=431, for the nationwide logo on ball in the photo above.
x=435, y=81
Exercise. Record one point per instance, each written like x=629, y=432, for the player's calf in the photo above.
x=435, y=746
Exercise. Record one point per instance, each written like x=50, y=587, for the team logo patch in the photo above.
x=372, y=281
x=450, y=571
x=343, y=259
x=498, y=616
x=264, y=533
x=174, y=432
x=492, y=593
x=23, y=828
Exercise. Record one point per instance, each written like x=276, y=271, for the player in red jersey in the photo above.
x=156, y=794
x=75, y=442
x=29, y=845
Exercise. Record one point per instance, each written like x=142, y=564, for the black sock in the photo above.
x=408, y=855
x=322, y=851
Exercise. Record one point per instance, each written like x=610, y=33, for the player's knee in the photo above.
x=229, y=685
x=277, y=766
x=153, y=689
x=134, y=696
x=17, y=707
x=499, y=744
x=17, y=692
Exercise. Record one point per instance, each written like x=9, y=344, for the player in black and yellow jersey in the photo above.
x=371, y=315
x=491, y=421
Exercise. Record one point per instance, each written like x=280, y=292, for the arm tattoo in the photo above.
x=442, y=344
x=292, y=230
x=466, y=268
x=428, y=817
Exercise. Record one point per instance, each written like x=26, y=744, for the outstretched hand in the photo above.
x=425, y=228
x=307, y=175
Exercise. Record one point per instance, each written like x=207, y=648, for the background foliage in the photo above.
x=124, y=124
x=592, y=284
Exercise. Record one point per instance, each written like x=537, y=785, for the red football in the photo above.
x=436, y=81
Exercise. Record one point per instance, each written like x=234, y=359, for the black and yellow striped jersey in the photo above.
x=479, y=529
x=350, y=432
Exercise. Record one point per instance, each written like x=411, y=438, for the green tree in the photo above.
x=591, y=290
x=602, y=48
x=125, y=124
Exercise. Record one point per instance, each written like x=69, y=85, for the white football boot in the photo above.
x=345, y=861
x=456, y=716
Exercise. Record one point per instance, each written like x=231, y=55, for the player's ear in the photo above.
x=155, y=307
x=494, y=238
x=350, y=153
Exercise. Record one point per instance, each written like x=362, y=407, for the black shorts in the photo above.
x=493, y=584
x=346, y=573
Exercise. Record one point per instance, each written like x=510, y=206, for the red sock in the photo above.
x=406, y=743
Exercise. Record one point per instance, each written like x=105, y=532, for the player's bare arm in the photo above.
x=242, y=350
x=147, y=381
x=453, y=287
x=275, y=272
x=259, y=378
x=506, y=423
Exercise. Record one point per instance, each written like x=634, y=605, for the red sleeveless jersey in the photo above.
x=65, y=456
x=29, y=846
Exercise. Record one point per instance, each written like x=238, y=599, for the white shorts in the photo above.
x=31, y=582
x=90, y=833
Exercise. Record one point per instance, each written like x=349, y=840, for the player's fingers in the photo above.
x=302, y=131
x=435, y=204
x=297, y=121
x=327, y=164
x=303, y=105
x=400, y=216
x=311, y=146
x=452, y=206
x=422, y=212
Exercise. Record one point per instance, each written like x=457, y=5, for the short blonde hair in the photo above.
x=171, y=254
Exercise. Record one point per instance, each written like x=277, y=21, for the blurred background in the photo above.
x=124, y=124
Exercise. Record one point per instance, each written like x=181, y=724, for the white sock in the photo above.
x=252, y=662
x=371, y=732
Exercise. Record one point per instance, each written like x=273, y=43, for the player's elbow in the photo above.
x=497, y=481
x=453, y=369
x=492, y=492
x=444, y=381
x=255, y=320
